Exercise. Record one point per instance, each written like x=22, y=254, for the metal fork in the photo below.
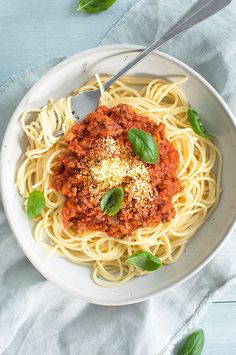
x=88, y=101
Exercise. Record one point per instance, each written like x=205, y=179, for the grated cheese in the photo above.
x=117, y=166
x=110, y=172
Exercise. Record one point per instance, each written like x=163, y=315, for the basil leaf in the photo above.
x=94, y=6
x=35, y=204
x=197, y=124
x=144, y=145
x=111, y=202
x=145, y=261
x=193, y=345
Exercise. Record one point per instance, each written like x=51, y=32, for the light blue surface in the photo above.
x=32, y=32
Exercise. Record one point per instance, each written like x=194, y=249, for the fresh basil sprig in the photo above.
x=35, y=204
x=111, y=202
x=94, y=6
x=197, y=124
x=145, y=261
x=144, y=145
x=193, y=345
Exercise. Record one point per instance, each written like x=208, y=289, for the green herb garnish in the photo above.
x=197, y=124
x=94, y=6
x=35, y=204
x=145, y=261
x=112, y=201
x=193, y=345
x=144, y=145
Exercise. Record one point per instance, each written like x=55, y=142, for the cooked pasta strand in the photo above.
x=162, y=101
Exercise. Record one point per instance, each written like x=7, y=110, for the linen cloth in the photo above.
x=35, y=315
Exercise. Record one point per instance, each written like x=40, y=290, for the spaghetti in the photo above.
x=199, y=172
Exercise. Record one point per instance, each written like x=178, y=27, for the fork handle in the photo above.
x=208, y=9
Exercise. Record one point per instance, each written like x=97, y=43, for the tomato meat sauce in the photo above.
x=99, y=157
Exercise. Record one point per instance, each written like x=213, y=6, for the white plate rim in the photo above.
x=47, y=274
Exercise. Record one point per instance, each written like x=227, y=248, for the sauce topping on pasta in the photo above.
x=100, y=157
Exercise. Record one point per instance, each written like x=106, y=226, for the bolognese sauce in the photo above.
x=99, y=157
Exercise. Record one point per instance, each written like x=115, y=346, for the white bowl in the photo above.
x=60, y=81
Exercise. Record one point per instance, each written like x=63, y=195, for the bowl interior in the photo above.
x=60, y=81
